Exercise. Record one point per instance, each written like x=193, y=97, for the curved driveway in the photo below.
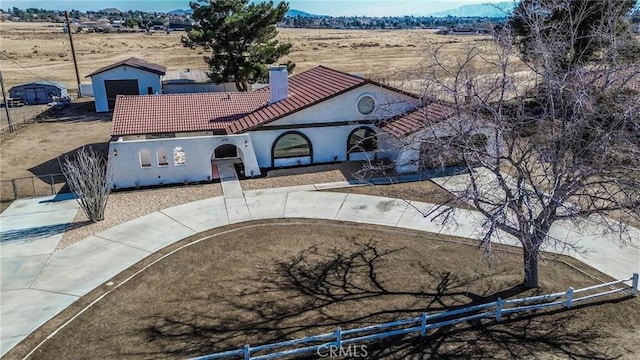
x=38, y=282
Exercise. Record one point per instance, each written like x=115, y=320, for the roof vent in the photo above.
x=278, y=83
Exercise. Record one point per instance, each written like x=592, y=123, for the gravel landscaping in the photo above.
x=124, y=206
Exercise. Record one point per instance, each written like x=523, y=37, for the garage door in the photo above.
x=35, y=96
x=119, y=87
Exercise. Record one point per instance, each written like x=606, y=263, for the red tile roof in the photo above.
x=134, y=63
x=233, y=112
x=150, y=114
x=305, y=89
x=417, y=119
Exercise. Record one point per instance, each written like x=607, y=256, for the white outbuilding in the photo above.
x=128, y=77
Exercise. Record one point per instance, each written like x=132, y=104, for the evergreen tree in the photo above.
x=240, y=36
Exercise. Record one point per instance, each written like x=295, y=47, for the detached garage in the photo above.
x=128, y=77
x=38, y=92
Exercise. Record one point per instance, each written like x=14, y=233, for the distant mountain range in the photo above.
x=290, y=13
x=294, y=13
x=494, y=10
x=180, y=12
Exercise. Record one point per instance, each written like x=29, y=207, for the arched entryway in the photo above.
x=227, y=154
x=225, y=151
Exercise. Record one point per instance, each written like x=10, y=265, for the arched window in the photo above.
x=162, y=157
x=362, y=140
x=292, y=144
x=290, y=149
x=145, y=158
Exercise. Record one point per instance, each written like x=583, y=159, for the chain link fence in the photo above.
x=32, y=186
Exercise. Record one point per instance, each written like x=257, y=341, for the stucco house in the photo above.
x=318, y=116
x=128, y=77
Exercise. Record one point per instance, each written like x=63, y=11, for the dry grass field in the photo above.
x=41, y=49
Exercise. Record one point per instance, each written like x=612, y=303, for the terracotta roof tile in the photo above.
x=305, y=89
x=417, y=119
x=233, y=112
x=148, y=114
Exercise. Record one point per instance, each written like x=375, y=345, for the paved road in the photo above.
x=39, y=282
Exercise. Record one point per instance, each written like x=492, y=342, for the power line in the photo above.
x=27, y=70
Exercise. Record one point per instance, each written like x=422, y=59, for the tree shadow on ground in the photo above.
x=19, y=236
x=80, y=111
x=31, y=234
x=317, y=290
x=528, y=335
x=52, y=166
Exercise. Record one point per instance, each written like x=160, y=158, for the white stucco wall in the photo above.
x=345, y=107
x=125, y=170
x=406, y=152
x=145, y=79
x=177, y=135
x=328, y=144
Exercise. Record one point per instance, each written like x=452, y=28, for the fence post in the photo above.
x=569, y=297
x=339, y=337
x=423, y=325
x=247, y=352
x=634, y=292
x=499, y=310
x=15, y=189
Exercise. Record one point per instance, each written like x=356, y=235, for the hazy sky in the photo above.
x=321, y=7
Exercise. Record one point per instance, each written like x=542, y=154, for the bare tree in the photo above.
x=543, y=142
x=86, y=175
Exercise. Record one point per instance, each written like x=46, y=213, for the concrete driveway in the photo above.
x=39, y=282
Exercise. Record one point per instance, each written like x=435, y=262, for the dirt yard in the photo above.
x=37, y=147
x=306, y=277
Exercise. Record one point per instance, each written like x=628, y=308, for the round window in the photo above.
x=366, y=104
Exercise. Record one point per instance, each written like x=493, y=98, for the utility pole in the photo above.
x=6, y=103
x=73, y=52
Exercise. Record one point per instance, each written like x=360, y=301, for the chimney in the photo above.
x=278, y=83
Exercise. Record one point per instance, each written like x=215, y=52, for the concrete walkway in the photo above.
x=38, y=283
x=30, y=230
x=229, y=179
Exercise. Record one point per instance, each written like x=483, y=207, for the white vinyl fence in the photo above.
x=422, y=324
